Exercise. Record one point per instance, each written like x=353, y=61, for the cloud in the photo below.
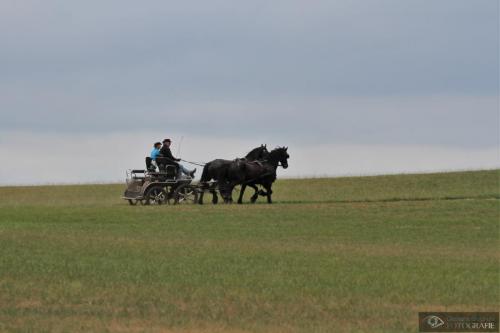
x=462, y=121
x=45, y=158
x=257, y=49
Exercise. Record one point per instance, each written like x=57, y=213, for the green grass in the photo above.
x=360, y=254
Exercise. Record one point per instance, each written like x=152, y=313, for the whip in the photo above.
x=179, y=146
x=179, y=154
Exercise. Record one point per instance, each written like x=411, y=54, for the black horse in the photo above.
x=253, y=173
x=214, y=169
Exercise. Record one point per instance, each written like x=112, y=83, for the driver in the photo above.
x=165, y=152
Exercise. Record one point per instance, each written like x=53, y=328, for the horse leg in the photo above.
x=215, y=198
x=223, y=190
x=269, y=192
x=255, y=195
x=226, y=198
x=229, y=194
x=243, y=187
x=204, y=186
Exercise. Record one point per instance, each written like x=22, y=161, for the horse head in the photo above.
x=263, y=152
x=284, y=158
x=280, y=155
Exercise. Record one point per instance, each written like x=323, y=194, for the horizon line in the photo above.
x=311, y=176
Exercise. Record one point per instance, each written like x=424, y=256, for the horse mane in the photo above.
x=278, y=148
x=256, y=152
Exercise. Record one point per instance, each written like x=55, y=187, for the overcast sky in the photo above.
x=351, y=86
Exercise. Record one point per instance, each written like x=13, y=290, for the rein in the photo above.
x=195, y=163
x=279, y=163
x=201, y=164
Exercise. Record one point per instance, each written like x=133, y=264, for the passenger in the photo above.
x=165, y=152
x=155, y=153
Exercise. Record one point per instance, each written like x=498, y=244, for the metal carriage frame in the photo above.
x=157, y=188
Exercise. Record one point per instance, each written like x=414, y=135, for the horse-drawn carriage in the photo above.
x=147, y=187
x=257, y=168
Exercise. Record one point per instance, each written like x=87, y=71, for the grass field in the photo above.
x=361, y=254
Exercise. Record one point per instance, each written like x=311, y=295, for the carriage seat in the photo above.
x=149, y=165
x=165, y=167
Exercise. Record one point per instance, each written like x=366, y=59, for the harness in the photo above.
x=261, y=176
x=258, y=162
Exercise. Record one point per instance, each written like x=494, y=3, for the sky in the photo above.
x=352, y=87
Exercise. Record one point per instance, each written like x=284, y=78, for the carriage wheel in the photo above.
x=170, y=194
x=156, y=195
x=186, y=194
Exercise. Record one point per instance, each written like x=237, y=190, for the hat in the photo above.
x=167, y=140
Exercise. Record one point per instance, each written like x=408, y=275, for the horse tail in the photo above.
x=223, y=178
x=205, y=175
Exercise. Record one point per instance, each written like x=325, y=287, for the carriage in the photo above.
x=148, y=187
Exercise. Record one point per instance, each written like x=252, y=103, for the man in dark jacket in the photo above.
x=165, y=152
